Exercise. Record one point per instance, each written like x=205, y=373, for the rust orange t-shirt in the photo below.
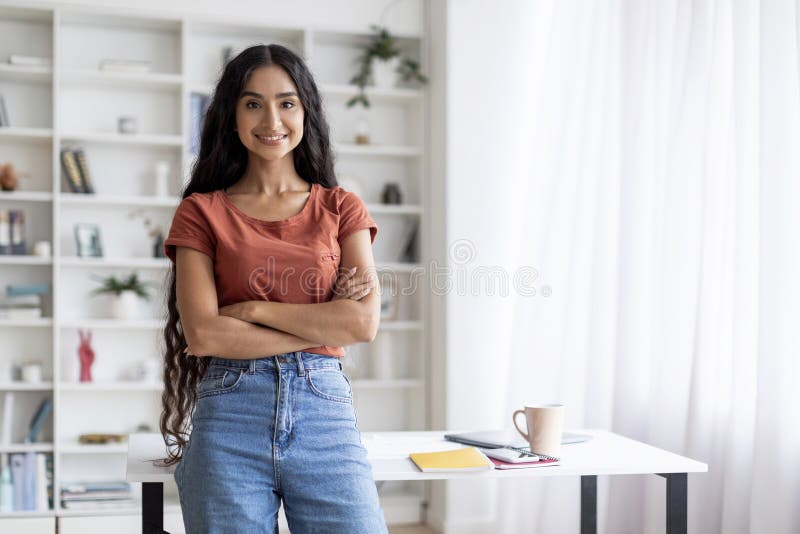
x=294, y=260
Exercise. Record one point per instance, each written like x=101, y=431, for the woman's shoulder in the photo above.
x=334, y=197
x=201, y=200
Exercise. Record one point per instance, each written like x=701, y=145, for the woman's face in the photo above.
x=269, y=114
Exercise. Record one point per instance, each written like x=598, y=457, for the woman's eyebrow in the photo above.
x=261, y=97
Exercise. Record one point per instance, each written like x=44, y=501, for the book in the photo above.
x=29, y=481
x=509, y=438
x=500, y=464
x=20, y=313
x=4, y=119
x=16, y=221
x=72, y=173
x=42, y=493
x=98, y=505
x=38, y=419
x=21, y=301
x=27, y=289
x=83, y=168
x=5, y=232
x=88, y=487
x=464, y=460
x=6, y=487
x=17, y=461
x=8, y=416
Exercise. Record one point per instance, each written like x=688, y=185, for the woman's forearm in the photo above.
x=228, y=337
x=335, y=323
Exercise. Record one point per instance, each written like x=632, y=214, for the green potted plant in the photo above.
x=380, y=63
x=125, y=293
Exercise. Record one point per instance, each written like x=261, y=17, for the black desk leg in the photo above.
x=589, y=504
x=677, y=502
x=152, y=507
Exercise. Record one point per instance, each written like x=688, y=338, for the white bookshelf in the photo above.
x=73, y=103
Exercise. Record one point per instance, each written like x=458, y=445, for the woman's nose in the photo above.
x=272, y=118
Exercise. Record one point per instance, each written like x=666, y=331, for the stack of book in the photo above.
x=26, y=482
x=12, y=231
x=23, y=301
x=96, y=495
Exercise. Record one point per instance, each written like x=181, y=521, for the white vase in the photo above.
x=125, y=305
x=162, y=179
x=382, y=357
x=384, y=73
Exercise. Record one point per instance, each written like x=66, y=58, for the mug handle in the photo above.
x=514, y=418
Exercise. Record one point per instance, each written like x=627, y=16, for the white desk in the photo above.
x=605, y=454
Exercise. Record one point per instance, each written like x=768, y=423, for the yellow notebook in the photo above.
x=465, y=459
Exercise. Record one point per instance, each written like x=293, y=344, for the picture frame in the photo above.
x=87, y=240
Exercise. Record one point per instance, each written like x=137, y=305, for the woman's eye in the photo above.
x=291, y=104
x=248, y=104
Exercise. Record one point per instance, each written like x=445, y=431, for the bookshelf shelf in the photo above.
x=111, y=387
x=16, y=515
x=24, y=259
x=25, y=73
x=113, y=324
x=169, y=507
x=25, y=386
x=122, y=139
x=140, y=263
x=375, y=94
x=42, y=322
x=81, y=199
x=26, y=196
x=27, y=447
x=388, y=209
x=347, y=149
x=145, y=80
x=16, y=133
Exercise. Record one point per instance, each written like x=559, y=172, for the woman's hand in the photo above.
x=350, y=286
x=240, y=310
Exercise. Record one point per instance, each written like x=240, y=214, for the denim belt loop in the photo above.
x=251, y=368
x=301, y=371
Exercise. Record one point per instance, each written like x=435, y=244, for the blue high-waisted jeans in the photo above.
x=280, y=427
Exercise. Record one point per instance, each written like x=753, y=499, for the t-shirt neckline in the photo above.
x=291, y=220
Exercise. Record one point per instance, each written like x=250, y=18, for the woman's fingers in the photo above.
x=359, y=291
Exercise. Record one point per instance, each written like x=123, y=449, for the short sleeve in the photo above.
x=190, y=228
x=353, y=216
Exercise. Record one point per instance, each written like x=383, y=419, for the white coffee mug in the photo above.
x=544, y=424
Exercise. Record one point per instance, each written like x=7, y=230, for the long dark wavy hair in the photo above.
x=221, y=163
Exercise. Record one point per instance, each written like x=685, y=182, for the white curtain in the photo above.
x=657, y=193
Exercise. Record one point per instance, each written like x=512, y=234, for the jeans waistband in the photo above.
x=300, y=360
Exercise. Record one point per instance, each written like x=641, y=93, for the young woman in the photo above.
x=273, y=276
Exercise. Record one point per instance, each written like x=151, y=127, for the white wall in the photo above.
x=405, y=16
x=485, y=94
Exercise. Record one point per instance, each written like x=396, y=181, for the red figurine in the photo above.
x=86, y=354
